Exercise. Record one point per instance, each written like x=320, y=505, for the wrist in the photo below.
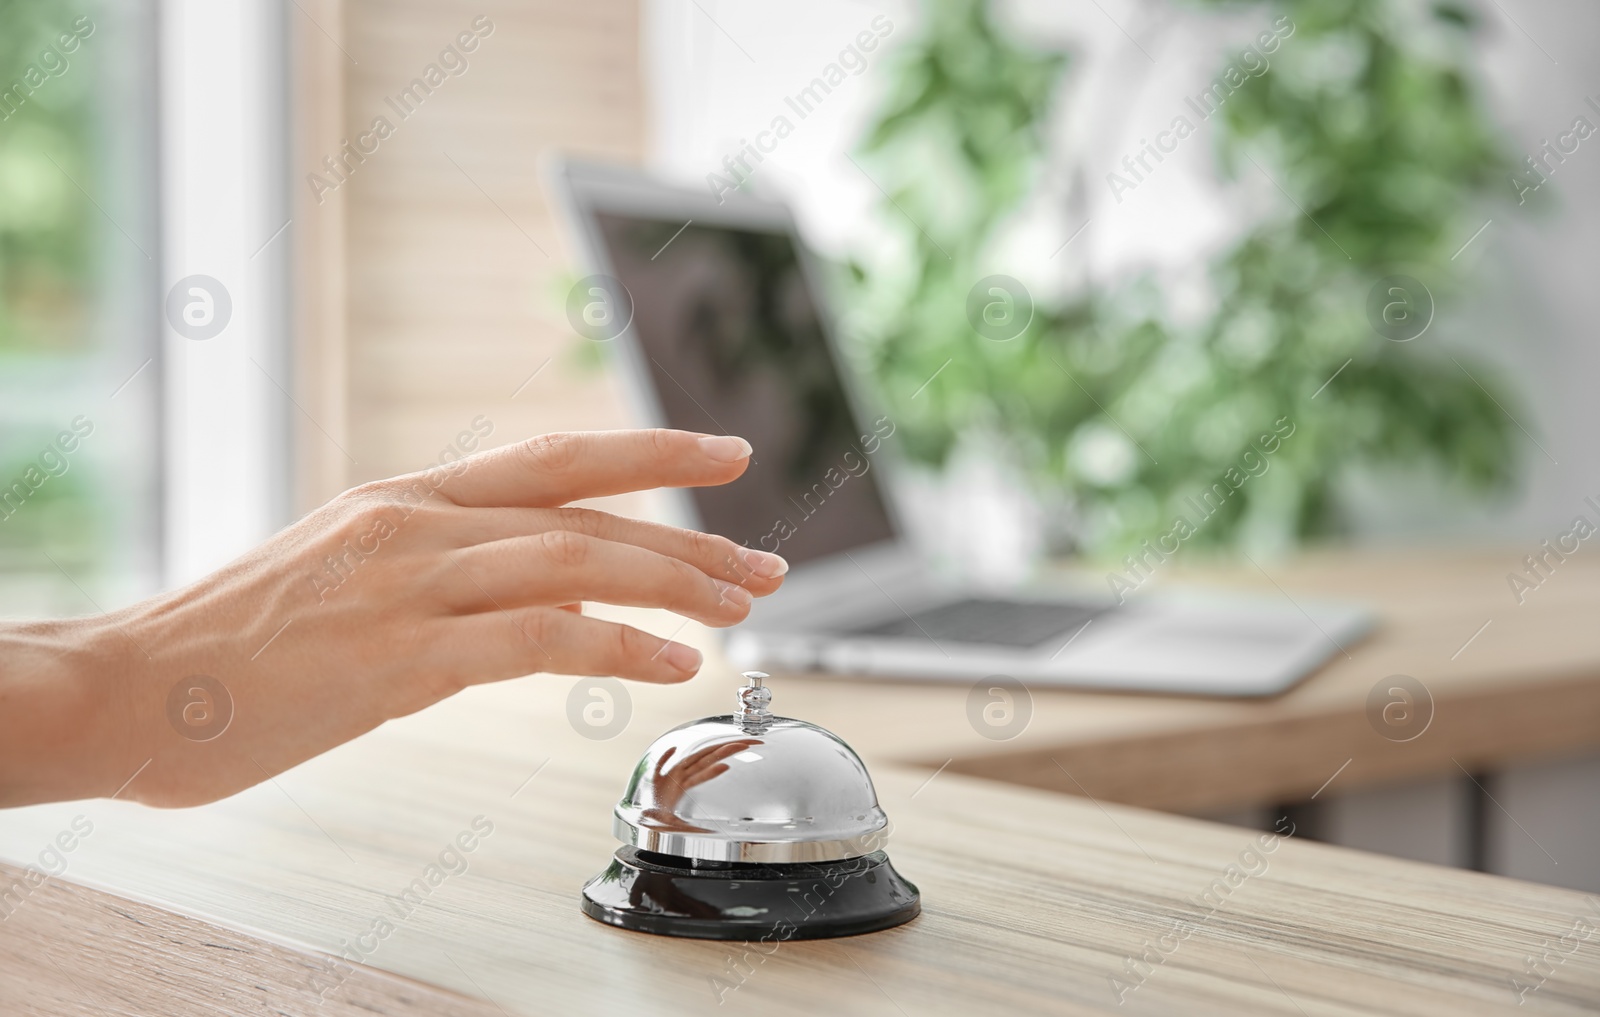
x=66, y=711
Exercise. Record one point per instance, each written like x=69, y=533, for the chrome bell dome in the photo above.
x=750, y=827
x=751, y=787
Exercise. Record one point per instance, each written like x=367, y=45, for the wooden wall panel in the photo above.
x=316, y=98
x=454, y=263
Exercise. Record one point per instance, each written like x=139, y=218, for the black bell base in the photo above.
x=672, y=896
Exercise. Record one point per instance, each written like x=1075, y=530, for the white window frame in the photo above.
x=224, y=144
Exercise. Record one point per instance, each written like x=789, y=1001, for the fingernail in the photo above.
x=725, y=448
x=684, y=658
x=736, y=595
x=764, y=564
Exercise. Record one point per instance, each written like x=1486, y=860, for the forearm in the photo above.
x=389, y=598
x=66, y=697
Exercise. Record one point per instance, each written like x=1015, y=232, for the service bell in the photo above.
x=751, y=826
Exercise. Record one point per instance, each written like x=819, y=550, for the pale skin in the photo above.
x=480, y=577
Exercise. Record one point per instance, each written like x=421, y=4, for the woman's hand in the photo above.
x=389, y=598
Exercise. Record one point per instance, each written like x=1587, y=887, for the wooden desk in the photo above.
x=1527, y=687
x=1034, y=901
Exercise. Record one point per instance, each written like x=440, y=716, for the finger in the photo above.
x=553, y=469
x=560, y=567
x=692, y=775
x=662, y=762
x=497, y=645
x=718, y=557
x=715, y=753
x=701, y=776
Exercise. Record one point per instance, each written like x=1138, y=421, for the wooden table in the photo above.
x=1034, y=901
x=1033, y=904
x=1525, y=687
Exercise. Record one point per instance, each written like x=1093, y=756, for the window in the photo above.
x=79, y=261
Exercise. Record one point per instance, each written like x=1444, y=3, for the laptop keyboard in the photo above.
x=992, y=622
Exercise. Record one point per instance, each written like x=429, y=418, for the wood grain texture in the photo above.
x=1527, y=687
x=71, y=951
x=457, y=271
x=1034, y=901
x=317, y=233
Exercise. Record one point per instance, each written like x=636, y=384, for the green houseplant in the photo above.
x=1118, y=414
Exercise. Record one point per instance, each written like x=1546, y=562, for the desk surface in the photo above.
x=1034, y=906
x=1510, y=683
x=1034, y=901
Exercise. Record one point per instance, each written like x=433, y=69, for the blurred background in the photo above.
x=246, y=263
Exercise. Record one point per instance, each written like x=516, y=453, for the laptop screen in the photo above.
x=734, y=345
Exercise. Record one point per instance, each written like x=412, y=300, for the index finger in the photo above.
x=553, y=469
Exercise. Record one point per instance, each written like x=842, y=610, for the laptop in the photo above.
x=716, y=321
